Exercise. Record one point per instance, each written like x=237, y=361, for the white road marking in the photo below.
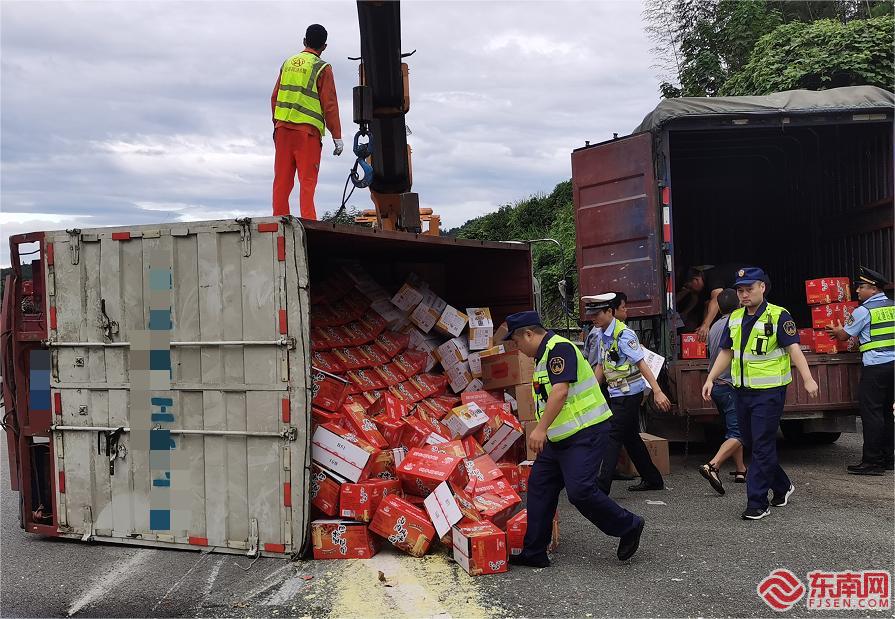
x=180, y=580
x=110, y=580
x=212, y=577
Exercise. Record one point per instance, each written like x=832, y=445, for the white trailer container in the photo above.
x=159, y=375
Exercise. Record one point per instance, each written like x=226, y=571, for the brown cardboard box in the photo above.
x=658, y=451
x=521, y=399
x=507, y=369
x=529, y=427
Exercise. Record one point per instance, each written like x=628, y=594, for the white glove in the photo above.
x=339, y=147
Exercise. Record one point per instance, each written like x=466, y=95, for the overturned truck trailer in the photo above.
x=156, y=379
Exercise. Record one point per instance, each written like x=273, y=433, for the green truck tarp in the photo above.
x=846, y=99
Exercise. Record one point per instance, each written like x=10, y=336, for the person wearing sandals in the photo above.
x=724, y=397
x=760, y=345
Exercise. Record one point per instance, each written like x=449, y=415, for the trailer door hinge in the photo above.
x=109, y=326
x=253, y=538
x=245, y=235
x=74, y=244
x=290, y=434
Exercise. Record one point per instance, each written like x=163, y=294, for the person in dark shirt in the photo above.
x=697, y=300
x=760, y=345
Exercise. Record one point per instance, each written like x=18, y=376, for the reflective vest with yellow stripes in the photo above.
x=882, y=324
x=585, y=405
x=617, y=373
x=297, y=98
x=762, y=363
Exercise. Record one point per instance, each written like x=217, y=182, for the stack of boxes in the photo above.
x=418, y=425
x=830, y=305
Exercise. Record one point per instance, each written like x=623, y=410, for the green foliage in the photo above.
x=345, y=218
x=538, y=217
x=818, y=55
x=701, y=44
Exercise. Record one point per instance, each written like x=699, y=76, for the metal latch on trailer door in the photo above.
x=74, y=244
x=109, y=440
x=245, y=235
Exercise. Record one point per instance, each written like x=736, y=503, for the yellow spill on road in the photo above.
x=432, y=586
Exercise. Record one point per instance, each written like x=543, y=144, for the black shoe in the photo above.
x=856, y=467
x=622, y=477
x=780, y=501
x=630, y=542
x=755, y=513
x=529, y=561
x=867, y=469
x=645, y=485
x=889, y=466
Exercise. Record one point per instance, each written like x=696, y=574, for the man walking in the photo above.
x=569, y=439
x=874, y=324
x=303, y=104
x=759, y=345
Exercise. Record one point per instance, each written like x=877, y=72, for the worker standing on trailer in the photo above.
x=874, y=323
x=303, y=104
x=619, y=360
x=759, y=345
x=569, y=441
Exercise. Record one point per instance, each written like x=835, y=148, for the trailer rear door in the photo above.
x=179, y=378
x=617, y=220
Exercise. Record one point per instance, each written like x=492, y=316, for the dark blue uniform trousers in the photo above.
x=572, y=463
x=758, y=414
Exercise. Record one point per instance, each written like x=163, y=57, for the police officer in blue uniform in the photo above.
x=569, y=440
x=760, y=343
x=874, y=323
x=618, y=358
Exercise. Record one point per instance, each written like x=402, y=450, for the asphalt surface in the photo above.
x=697, y=559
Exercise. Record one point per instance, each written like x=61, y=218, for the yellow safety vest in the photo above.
x=585, y=405
x=762, y=363
x=297, y=98
x=617, y=373
x=882, y=324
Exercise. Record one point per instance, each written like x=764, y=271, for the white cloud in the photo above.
x=160, y=111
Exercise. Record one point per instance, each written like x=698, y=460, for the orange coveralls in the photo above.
x=298, y=148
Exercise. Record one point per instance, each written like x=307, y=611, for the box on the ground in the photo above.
x=521, y=399
x=524, y=474
x=518, y=524
x=342, y=452
x=827, y=290
x=506, y=369
x=832, y=314
x=481, y=328
x=452, y=352
x=480, y=548
x=459, y=376
x=447, y=505
x=384, y=464
x=422, y=470
x=356, y=419
x=692, y=348
x=483, y=469
x=658, y=452
x=342, y=539
x=505, y=431
x=500, y=505
x=360, y=501
x=404, y=525
x=324, y=490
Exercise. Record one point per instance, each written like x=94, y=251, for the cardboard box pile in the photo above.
x=418, y=424
x=830, y=305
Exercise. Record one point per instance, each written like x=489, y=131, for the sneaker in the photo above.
x=756, y=513
x=778, y=501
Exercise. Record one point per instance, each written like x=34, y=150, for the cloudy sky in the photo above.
x=141, y=112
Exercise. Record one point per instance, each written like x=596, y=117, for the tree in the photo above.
x=551, y=216
x=818, y=55
x=702, y=43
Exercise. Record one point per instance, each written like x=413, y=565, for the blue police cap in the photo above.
x=520, y=320
x=750, y=275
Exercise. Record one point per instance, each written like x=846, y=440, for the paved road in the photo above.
x=697, y=559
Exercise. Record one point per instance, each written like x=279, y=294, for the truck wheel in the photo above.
x=822, y=438
x=794, y=432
